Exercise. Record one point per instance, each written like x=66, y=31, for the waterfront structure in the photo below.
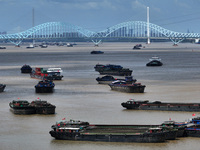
x=130, y=29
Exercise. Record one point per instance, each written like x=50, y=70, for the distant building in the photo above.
x=4, y=32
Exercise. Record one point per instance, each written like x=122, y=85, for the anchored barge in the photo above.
x=23, y=107
x=109, y=79
x=83, y=131
x=26, y=69
x=44, y=86
x=122, y=86
x=157, y=105
x=112, y=70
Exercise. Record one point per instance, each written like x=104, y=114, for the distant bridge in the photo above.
x=131, y=29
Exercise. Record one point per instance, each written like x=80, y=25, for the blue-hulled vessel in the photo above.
x=45, y=86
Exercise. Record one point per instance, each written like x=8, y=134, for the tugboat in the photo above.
x=44, y=86
x=157, y=105
x=2, y=87
x=23, y=107
x=109, y=79
x=96, y=52
x=113, y=70
x=83, y=131
x=49, y=74
x=123, y=86
x=54, y=74
x=43, y=107
x=154, y=61
x=26, y=69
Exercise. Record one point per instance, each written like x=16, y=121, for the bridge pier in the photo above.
x=97, y=42
x=177, y=40
x=17, y=43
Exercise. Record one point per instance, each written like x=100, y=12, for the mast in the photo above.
x=148, y=33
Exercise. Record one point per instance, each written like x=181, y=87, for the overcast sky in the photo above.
x=97, y=15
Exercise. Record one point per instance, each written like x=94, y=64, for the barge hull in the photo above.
x=128, y=89
x=163, y=107
x=144, y=138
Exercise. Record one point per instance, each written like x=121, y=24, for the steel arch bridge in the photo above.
x=131, y=29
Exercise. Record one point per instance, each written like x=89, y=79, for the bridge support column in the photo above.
x=176, y=41
x=97, y=42
x=17, y=43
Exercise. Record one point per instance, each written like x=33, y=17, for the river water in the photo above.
x=78, y=96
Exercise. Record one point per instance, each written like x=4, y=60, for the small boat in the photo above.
x=112, y=70
x=83, y=131
x=2, y=87
x=2, y=47
x=43, y=46
x=108, y=79
x=30, y=46
x=23, y=107
x=123, y=86
x=96, y=52
x=157, y=105
x=154, y=61
x=44, y=86
x=26, y=69
x=69, y=45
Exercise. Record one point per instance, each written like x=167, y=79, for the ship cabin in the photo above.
x=20, y=103
x=136, y=102
x=154, y=130
x=196, y=120
x=54, y=70
x=68, y=129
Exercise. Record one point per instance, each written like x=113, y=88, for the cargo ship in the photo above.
x=162, y=106
x=83, y=131
x=108, y=79
x=23, y=107
x=49, y=74
x=122, y=86
x=112, y=70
